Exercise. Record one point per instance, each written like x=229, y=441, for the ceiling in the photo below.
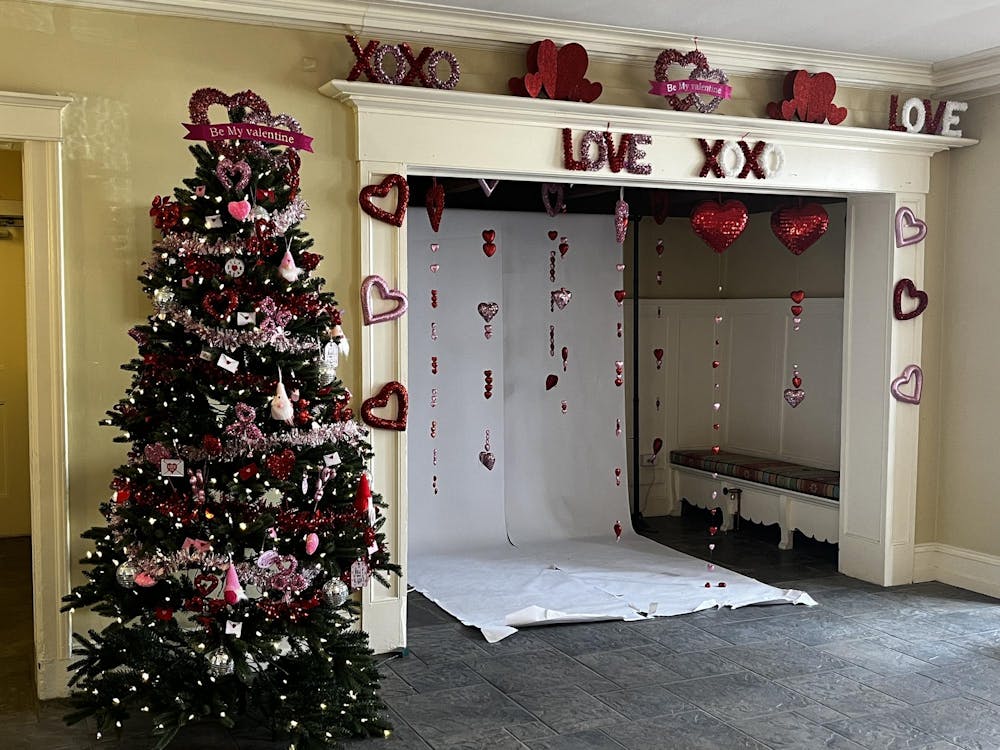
x=920, y=30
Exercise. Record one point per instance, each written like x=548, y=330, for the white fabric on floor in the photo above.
x=530, y=542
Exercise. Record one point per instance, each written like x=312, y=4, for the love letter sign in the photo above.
x=409, y=67
x=598, y=150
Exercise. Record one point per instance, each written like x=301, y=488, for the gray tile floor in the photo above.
x=915, y=667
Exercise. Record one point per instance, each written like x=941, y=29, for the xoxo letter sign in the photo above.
x=738, y=159
x=409, y=67
x=598, y=150
x=916, y=116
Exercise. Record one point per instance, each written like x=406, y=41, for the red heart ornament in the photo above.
x=553, y=234
x=796, y=381
x=620, y=295
x=906, y=285
x=797, y=296
x=280, y=465
x=796, y=309
x=586, y=91
x=489, y=235
x=533, y=84
x=798, y=227
x=489, y=249
x=434, y=201
x=381, y=399
x=220, y=304
x=563, y=248
x=658, y=353
x=719, y=225
x=547, y=62
x=205, y=583
x=247, y=472
x=571, y=67
x=813, y=95
x=550, y=382
x=380, y=191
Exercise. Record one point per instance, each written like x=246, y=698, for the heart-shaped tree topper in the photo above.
x=798, y=227
x=905, y=221
x=906, y=285
x=381, y=399
x=910, y=373
x=251, y=105
x=719, y=225
x=394, y=295
x=488, y=310
x=380, y=191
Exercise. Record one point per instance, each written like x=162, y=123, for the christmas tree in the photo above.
x=243, y=518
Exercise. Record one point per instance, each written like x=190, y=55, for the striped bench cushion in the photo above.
x=808, y=480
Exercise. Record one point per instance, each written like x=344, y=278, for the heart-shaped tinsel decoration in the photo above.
x=226, y=170
x=621, y=221
x=251, y=104
x=798, y=227
x=551, y=381
x=668, y=57
x=553, y=198
x=906, y=220
x=910, y=373
x=220, y=304
x=797, y=296
x=377, y=282
x=280, y=465
x=489, y=247
x=906, y=285
x=794, y=396
x=381, y=399
x=205, y=583
x=488, y=310
x=487, y=459
x=561, y=297
x=719, y=225
x=380, y=191
x=704, y=73
x=434, y=201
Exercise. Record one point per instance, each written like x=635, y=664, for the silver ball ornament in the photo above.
x=220, y=663
x=125, y=574
x=336, y=592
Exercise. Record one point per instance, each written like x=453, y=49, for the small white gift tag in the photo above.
x=360, y=575
x=331, y=355
x=228, y=363
x=171, y=467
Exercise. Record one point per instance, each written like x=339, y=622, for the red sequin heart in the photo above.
x=220, y=304
x=380, y=191
x=796, y=309
x=280, y=465
x=434, y=200
x=797, y=296
x=380, y=400
x=799, y=227
x=719, y=225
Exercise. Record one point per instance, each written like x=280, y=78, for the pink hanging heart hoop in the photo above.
x=910, y=373
x=377, y=282
x=906, y=219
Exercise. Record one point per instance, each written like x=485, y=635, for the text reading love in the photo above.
x=597, y=150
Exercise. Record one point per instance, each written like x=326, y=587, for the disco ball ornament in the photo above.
x=163, y=297
x=326, y=373
x=336, y=592
x=220, y=663
x=125, y=574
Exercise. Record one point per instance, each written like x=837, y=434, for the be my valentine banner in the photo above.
x=248, y=132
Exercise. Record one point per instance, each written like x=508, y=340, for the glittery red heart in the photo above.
x=380, y=191
x=205, y=583
x=489, y=248
x=797, y=296
x=798, y=227
x=796, y=381
x=220, y=304
x=911, y=290
x=620, y=294
x=550, y=382
x=796, y=309
x=489, y=235
x=719, y=225
x=280, y=465
x=563, y=248
x=434, y=201
x=380, y=400
x=553, y=234
x=532, y=84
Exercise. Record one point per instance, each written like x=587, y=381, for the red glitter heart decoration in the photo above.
x=796, y=309
x=808, y=98
x=719, y=225
x=797, y=296
x=380, y=191
x=550, y=382
x=220, y=304
x=796, y=381
x=563, y=248
x=906, y=285
x=489, y=248
x=532, y=85
x=253, y=105
x=205, y=583
x=798, y=227
x=556, y=73
x=620, y=295
x=489, y=235
x=381, y=399
x=434, y=200
x=553, y=234
x=280, y=465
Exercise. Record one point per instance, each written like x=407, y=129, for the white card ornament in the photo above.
x=235, y=267
x=331, y=355
x=213, y=222
x=373, y=548
x=246, y=318
x=360, y=575
x=228, y=363
x=234, y=628
x=171, y=467
x=331, y=459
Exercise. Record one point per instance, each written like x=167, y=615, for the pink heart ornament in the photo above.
x=487, y=459
x=910, y=373
x=435, y=267
x=906, y=219
x=377, y=282
x=487, y=310
x=312, y=543
x=225, y=170
x=794, y=396
x=239, y=210
x=561, y=297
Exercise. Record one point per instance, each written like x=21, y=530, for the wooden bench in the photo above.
x=762, y=490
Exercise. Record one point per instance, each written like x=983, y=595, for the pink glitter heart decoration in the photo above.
x=794, y=396
x=377, y=282
x=488, y=310
x=487, y=459
x=906, y=219
x=621, y=221
x=225, y=170
x=552, y=190
x=561, y=297
x=620, y=267
x=703, y=73
x=910, y=372
x=239, y=210
x=435, y=267
x=312, y=543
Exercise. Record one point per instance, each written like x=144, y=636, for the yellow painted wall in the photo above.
x=15, y=498
x=130, y=77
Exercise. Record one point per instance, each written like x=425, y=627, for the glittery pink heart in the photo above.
x=910, y=373
x=619, y=267
x=794, y=396
x=621, y=221
x=225, y=170
x=239, y=210
x=377, y=282
x=488, y=310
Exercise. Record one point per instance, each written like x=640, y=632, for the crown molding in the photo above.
x=970, y=76
x=503, y=31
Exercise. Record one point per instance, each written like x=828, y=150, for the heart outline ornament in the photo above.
x=225, y=170
x=488, y=310
x=911, y=290
x=794, y=396
x=668, y=57
x=381, y=399
x=377, y=282
x=905, y=218
x=553, y=189
x=388, y=183
x=704, y=73
x=910, y=372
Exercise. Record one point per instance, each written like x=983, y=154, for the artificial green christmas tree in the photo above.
x=243, y=518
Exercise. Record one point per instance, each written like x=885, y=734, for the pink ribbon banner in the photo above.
x=246, y=131
x=691, y=86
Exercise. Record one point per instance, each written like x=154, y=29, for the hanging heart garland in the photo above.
x=621, y=221
x=377, y=282
x=489, y=247
x=550, y=191
x=798, y=227
x=910, y=373
x=906, y=285
x=434, y=201
x=906, y=220
x=381, y=399
x=380, y=191
x=719, y=225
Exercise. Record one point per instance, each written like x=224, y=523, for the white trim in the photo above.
x=430, y=24
x=965, y=568
x=969, y=76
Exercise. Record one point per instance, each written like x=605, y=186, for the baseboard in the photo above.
x=967, y=569
x=53, y=679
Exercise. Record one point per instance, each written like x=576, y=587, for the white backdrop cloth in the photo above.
x=531, y=541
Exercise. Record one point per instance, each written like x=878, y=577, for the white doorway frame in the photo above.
x=35, y=122
x=446, y=133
